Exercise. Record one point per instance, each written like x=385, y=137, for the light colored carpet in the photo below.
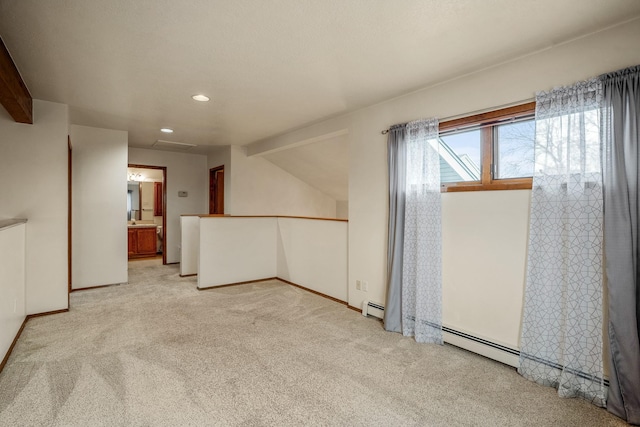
x=159, y=352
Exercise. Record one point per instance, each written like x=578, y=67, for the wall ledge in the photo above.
x=270, y=216
x=12, y=222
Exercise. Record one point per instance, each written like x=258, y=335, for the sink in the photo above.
x=141, y=225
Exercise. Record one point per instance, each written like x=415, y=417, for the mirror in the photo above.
x=133, y=200
x=144, y=195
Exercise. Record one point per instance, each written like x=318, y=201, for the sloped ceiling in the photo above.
x=323, y=165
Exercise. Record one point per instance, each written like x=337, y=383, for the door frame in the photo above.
x=69, y=217
x=213, y=189
x=164, y=205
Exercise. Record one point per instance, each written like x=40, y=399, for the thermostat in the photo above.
x=182, y=194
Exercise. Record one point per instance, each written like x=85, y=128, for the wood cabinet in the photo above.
x=132, y=241
x=141, y=241
x=157, y=199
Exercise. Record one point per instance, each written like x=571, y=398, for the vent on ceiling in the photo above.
x=172, y=145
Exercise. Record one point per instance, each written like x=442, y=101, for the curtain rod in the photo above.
x=473, y=113
x=386, y=131
x=473, y=126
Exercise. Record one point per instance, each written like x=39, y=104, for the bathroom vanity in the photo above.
x=142, y=240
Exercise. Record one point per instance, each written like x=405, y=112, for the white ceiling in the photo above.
x=269, y=66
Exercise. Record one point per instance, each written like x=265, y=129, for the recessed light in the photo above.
x=202, y=98
x=166, y=130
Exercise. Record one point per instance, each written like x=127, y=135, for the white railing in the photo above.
x=12, y=281
x=310, y=252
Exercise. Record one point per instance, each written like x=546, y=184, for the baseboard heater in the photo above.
x=484, y=347
x=372, y=309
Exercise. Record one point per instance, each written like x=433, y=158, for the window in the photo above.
x=513, y=149
x=490, y=151
x=569, y=143
x=460, y=156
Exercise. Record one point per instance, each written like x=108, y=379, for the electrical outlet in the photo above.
x=365, y=285
x=358, y=285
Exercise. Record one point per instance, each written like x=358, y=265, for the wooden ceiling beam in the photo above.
x=14, y=95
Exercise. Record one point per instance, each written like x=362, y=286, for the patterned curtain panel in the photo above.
x=422, y=263
x=561, y=343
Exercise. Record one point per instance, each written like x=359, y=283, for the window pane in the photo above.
x=569, y=144
x=514, y=150
x=460, y=157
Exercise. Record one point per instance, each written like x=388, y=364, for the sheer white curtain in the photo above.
x=561, y=343
x=422, y=263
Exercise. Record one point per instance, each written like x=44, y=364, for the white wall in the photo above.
x=99, y=200
x=33, y=185
x=308, y=252
x=189, y=244
x=12, y=284
x=509, y=83
x=255, y=186
x=236, y=250
x=486, y=235
x=342, y=209
x=313, y=254
x=258, y=187
x=185, y=172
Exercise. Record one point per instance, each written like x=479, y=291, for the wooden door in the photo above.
x=216, y=190
x=219, y=208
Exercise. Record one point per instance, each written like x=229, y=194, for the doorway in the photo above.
x=69, y=217
x=216, y=190
x=147, y=212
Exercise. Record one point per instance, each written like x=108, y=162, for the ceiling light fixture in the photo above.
x=201, y=98
x=135, y=177
x=166, y=130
